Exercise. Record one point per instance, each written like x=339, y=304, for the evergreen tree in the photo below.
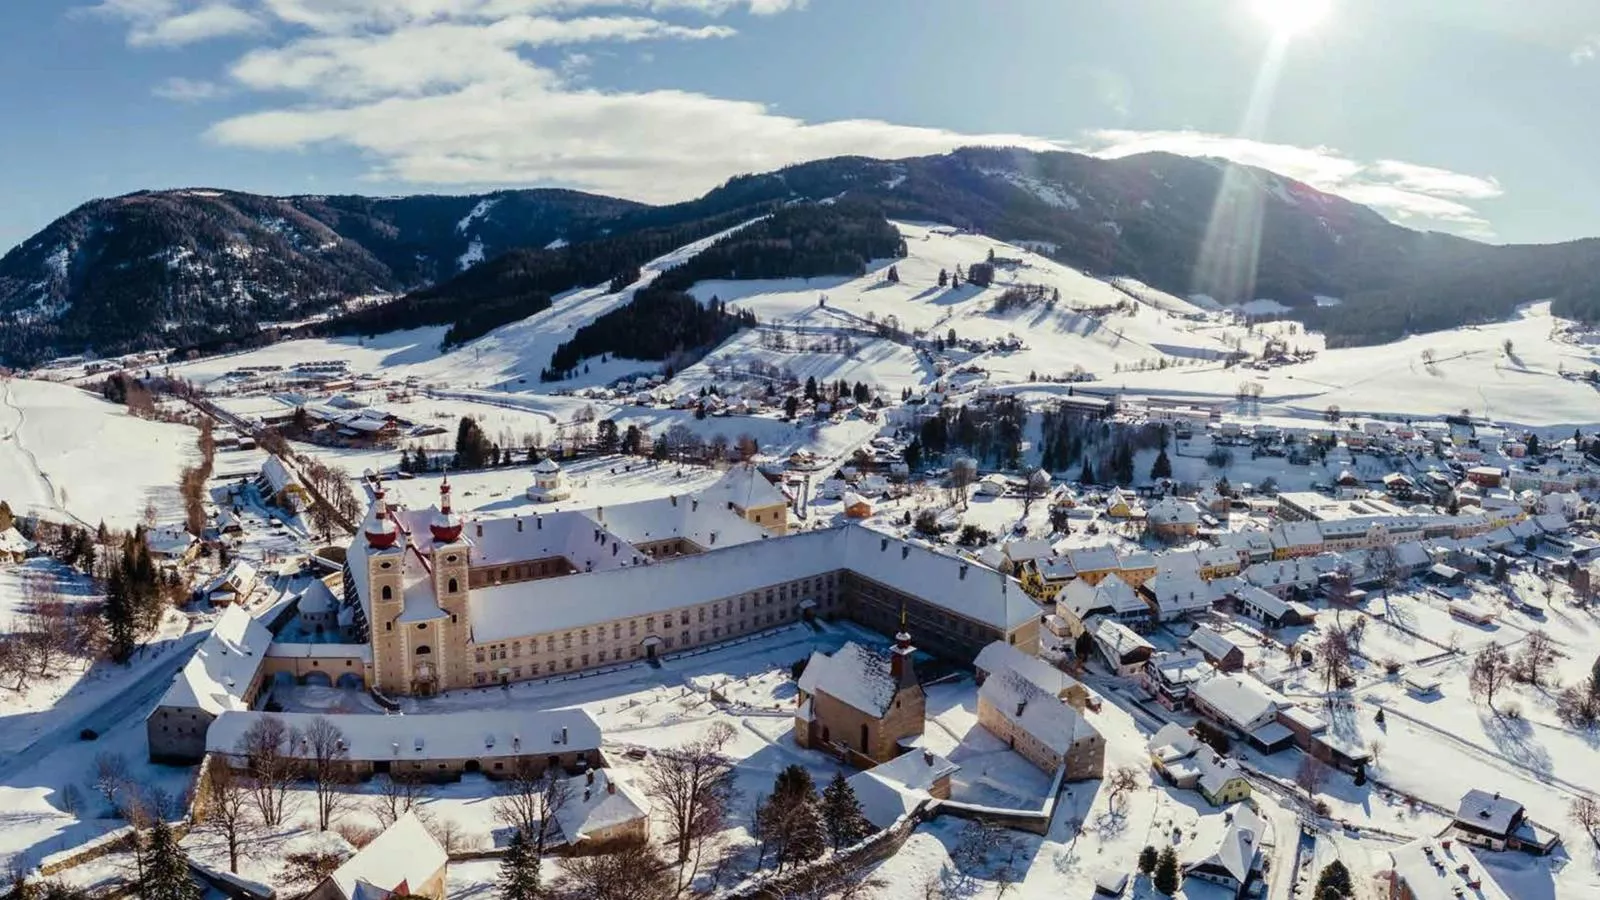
x=1147, y=859
x=841, y=813
x=165, y=873
x=1083, y=645
x=1166, y=879
x=1087, y=475
x=419, y=460
x=1533, y=445
x=1162, y=467
x=122, y=630
x=811, y=388
x=519, y=870
x=944, y=278
x=1333, y=883
x=659, y=450
x=405, y=460
x=894, y=275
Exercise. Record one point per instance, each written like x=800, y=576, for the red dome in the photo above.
x=381, y=532
x=446, y=528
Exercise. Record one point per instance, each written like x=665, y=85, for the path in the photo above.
x=33, y=461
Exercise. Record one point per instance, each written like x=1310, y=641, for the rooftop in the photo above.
x=854, y=675
x=222, y=668
x=482, y=734
x=398, y=861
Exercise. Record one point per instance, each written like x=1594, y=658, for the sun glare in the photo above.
x=1291, y=17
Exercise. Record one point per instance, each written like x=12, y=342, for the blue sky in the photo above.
x=1472, y=116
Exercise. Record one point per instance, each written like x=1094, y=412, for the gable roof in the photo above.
x=745, y=487
x=1487, y=812
x=1111, y=595
x=1213, y=643
x=890, y=790
x=405, y=854
x=855, y=675
x=222, y=667
x=608, y=802
x=1239, y=847
x=998, y=657
x=1240, y=700
x=1040, y=714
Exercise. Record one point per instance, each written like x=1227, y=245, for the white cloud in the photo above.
x=174, y=23
x=1586, y=51
x=1416, y=195
x=189, y=90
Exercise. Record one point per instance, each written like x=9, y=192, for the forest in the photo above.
x=665, y=325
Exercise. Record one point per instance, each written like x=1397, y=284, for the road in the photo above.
x=135, y=700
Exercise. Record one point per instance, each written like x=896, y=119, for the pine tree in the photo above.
x=1165, y=879
x=841, y=813
x=1333, y=883
x=519, y=870
x=1162, y=467
x=1083, y=645
x=166, y=868
x=1147, y=859
x=806, y=837
x=1087, y=475
x=419, y=460
x=894, y=275
x=122, y=630
x=1533, y=445
x=944, y=278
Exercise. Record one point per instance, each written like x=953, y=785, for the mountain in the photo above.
x=184, y=267
x=162, y=268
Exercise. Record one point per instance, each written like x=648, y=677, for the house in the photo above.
x=1000, y=657
x=1044, y=578
x=1291, y=540
x=856, y=506
x=1500, y=823
x=1094, y=564
x=1173, y=521
x=1187, y=762
x=1485, y=476
x=860, y=702
x=223, y=675
x=280, y=486
x=748, y=491
x=233, y=585
x=602, y=808
x=1269, y=609
x=1044, y=730
x=1177, y=594
x=1436, y=869
x=1218, y=650
x=890, y=790
x=1236, y=861
x=1246, y=706
x=14, y=548
x=1112, y=599
x=1171, y=675
x=1121, y=505
x=404, y=861
x=549, y=482
x=1122, y=649
x=171, y=543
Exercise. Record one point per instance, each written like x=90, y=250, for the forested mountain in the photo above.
x=165, y=268
x=180, y=267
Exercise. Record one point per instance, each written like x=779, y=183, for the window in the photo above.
x=568, y=663
x=424, y=650
x=516, y=671
x=452, y=588
x=616, y=631
x=585, y=637
x=550, y=666
x=478, y=677
x=586, y=660
x=388, y=592
x=516, y=650
x=478, y=655
x=566, y=641
x=388, y=626
x=702, y=635
x=550, y=644
x=702, y=613
x=633, y=627
x=650, y=624
x=602, y=656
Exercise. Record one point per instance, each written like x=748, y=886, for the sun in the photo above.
x=1291, y=17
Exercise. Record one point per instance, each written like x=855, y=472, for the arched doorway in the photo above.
x=320, y=679
x=283, y=680
x=473, y=767
x=352, y=681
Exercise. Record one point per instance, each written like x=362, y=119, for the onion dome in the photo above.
x=380, y=529
x=446, y=525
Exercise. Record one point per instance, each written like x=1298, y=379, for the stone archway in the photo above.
x=319, y=679
x=351, y=681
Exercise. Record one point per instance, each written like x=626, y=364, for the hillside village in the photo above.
x=1031, y=583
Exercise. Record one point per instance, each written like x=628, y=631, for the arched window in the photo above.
x=424, y=650
x=453, y=587
x=388, y=592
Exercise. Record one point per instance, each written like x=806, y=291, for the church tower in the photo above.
x=385, y=594
x=451, y=558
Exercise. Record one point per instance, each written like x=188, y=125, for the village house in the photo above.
x=1043, y=729
x=549, y=482
x=1093, y=565
x=1177, y=594
x=1236, y=862
x=1246, y=707
x=404, y=861
x=861, y=703
x=1222, y=653
x=171, y=544
x=1437, y=869
x=1169, y=676
x=223, y=675
x=1187, y=762
x=889, y=791
x=1269, y=609
x=14, y=548
x=602, y=809
x=1122, y=649
x=1112, y=599
x=233, y=585
x=1000, y=657
x=856, y=506
x=1173, y=521
x=1500, y=823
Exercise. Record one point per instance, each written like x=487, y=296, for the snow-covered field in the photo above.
x=68, y=454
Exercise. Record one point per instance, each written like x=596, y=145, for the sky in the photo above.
x=1469, y=116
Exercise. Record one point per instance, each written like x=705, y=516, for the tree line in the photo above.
x=657, y=324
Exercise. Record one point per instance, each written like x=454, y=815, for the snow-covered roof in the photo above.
x=1178, y=592
x=1431, y=871
x=890, y=790
x=1212, y=643
x=745, y=487
x=12, y=541
x=708, y=524
x=1111, y=594
x=546, y=466
x=1240, y=846
x=277, y=475
x=1040, y=714
x=1094, y=559
x=238, y=578
x=398, y=861
x=999, y=656
x=1297, y=534
x=1179, y=667
x=1242, y=701
x=1488, y=812
x=168, y=540
x=854, y=675
x=952, y=584
x=222, y=667
x=317, y=598
x=476, y=734
x=1031, y=548
x=607, y=802
x=1173, y=512
x=1118, y=640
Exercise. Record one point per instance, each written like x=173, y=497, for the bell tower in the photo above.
x=385, y=595
x=451, y=559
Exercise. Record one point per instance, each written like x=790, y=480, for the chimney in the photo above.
x=1021, y=705
x=927, y=757
x=905, y=551
x=673, y=498
x=586, y=793
x=538, y=523
x=900, y=667
x=694, y=504
x=600, y=513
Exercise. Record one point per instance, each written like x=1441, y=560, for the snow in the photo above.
x=556, y=244
x=478, y=211
x=404, y=854
x=223, y=667
x=484, y=734
x=855, y=675
x=56, y=443
x=472, y=256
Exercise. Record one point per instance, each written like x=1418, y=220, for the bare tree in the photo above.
x=631, y=871
x=449, y=833
x=269, y=770
x=1491, y=669
x=398, y=794
x=963, y=473
x=308, y=869
x=1538, y=654
x=1038, y=483
x=1585, y=813
x=1312, y=775
x=1332, y=655
x=692, y=787
x=111, y=778
x=1375, y=750
x=228, y=809
x=328, y=754
x=530, y=801
x=1122, y=780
